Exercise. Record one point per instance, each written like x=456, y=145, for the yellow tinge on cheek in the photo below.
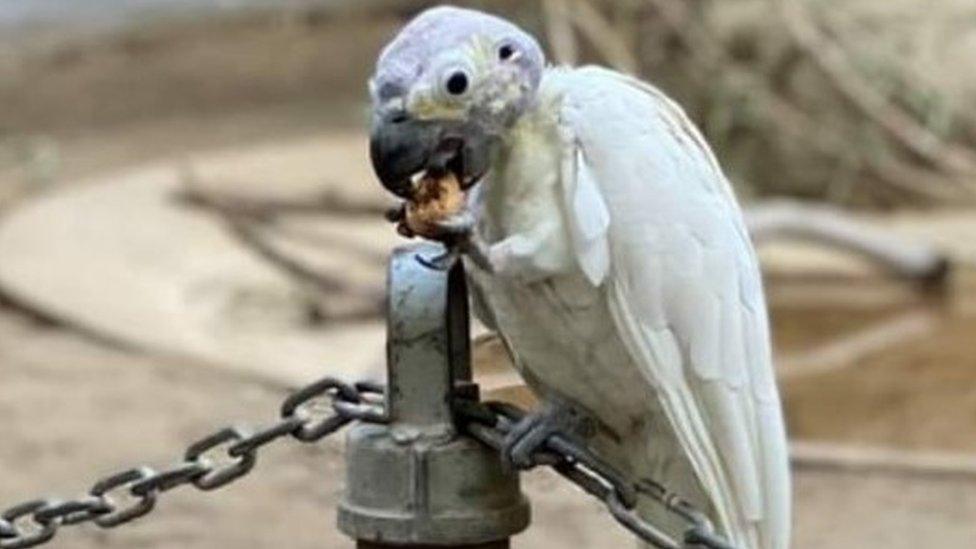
x=423, y=107
x=428, y=104
x=504, y=86
x=481, y=53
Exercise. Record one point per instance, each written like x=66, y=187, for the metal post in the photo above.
x=415, y=482
x=490, y=545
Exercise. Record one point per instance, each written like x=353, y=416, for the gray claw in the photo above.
x=474, y=248
x=458, y=235
x=526, y=438
x=459, y=225
x=524, y=446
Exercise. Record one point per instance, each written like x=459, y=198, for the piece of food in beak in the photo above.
x=434, y=199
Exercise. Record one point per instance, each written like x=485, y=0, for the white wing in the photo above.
x=653, y=217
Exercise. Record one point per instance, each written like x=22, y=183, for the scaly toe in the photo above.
x=457, y=226
x=524, y=446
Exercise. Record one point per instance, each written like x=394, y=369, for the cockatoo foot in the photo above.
x=458, y=236
x=452, y=232
x=455, y=227
x=525, y=444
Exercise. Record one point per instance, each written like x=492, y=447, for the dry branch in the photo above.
x=787, y=220
x=371, y=300
x=845, y=351
x=806, y=455
x=559, y=31
x=603, y=36
x=327, y=202
x=834, y=63
x=775, y=104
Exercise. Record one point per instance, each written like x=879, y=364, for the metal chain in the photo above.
x=490, y=423
x=210, y=463
x=124, y=496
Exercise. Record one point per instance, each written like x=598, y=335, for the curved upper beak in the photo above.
x=401, y=146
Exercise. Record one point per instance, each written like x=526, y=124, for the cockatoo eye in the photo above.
x=507, y=51
x=457, y=83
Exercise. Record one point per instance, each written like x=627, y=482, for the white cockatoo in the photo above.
x=606, y=247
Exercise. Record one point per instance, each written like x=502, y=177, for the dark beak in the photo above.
x=401, y=147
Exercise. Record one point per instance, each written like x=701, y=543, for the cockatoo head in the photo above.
x=444, y=92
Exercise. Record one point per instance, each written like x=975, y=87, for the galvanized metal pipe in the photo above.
x=415, y=482
x=490, y=545
x=504, y=544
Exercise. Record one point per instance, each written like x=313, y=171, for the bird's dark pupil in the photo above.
x=457, y=83
x=505, y=52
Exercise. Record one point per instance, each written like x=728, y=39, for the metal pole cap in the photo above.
x=415, y=481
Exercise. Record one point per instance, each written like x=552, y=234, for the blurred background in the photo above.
x=189, y=226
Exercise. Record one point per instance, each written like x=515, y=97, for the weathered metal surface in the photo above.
x=414, y=482
x=503, y=544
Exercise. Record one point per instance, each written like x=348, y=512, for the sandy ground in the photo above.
x=73, y=410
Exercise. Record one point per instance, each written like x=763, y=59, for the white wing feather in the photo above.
x=652, y=216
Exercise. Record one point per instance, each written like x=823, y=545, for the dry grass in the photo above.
x=858, y=102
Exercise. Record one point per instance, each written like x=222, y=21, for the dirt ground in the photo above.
x=74, y=410
x=918, y=394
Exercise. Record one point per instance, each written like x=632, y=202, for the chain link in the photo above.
x=7, y=530
x=210, y=463
x=230, y=453
x=35, y=531
x=491, y=422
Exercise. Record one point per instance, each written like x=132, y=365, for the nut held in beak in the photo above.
x=434, y=199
